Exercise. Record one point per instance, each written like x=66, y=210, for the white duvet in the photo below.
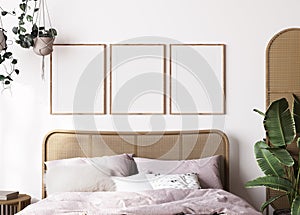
x=152, y=202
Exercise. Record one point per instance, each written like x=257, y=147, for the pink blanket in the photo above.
x=156, y=202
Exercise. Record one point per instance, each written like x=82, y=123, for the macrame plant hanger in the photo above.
x=46, y=45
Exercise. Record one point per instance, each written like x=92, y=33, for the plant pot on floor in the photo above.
x=43, y=45
x=2, y=40
x=282, y=212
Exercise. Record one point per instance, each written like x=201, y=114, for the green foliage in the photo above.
x=280, y=169
x=296, y=113
x=268, y=163
x=9, y=68
x=7, y=59
x=275, y=183
x=296, y=205
x=269, y=201
x=283, y=156
x=279, y=123
x=26, y=35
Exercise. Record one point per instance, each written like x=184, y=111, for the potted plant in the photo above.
x=43, y=43
x=281, y=169
x=7, y=61
x=39, y=37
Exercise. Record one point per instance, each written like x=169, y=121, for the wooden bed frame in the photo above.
x=167, y=145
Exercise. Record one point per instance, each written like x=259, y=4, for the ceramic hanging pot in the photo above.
x=43, y=45
x=2, y=40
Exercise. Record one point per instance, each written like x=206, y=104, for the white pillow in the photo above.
x=118, y=165
x=134, y=183
x=65, y=162
x=77, y=178
x=176, y=181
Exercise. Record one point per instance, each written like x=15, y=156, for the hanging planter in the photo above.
x=32, y=23
x=43, y=45
x=41, y=35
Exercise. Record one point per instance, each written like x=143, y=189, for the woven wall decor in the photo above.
x=283, y=80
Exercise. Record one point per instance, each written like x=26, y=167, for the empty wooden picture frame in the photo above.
x=197, y=79
x=78, y=83
x=137, y=79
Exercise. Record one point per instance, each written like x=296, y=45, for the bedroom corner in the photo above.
x=155, y=83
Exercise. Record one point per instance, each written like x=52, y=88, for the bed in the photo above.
x=183, y=150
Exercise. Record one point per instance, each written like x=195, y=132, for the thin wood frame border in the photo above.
x=164, y=78
x=223, y=82
x=104, y=80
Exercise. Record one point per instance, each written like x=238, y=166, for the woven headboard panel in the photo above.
x=169, y=145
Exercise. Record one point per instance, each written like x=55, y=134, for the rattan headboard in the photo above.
x=168, y=145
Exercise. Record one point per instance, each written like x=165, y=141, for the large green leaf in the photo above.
x=279, y=123
x=272, y=182
x=283, y=156
x=296, y=206
x=268, y=163
x=296, y=113
x=264, y=205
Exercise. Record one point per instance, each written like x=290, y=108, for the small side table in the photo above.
x=13, y=206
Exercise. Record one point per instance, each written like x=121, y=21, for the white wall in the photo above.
x=244, y=26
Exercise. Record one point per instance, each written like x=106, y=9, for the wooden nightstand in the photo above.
x=13, y=206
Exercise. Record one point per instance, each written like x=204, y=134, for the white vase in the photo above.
x=43, y=45
x=2, y=41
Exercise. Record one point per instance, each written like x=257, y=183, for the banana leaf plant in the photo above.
x=281, y=170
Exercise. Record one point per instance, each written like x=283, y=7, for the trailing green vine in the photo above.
x=7, y=61
x=6, y=74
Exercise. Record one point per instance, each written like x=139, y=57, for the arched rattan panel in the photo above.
x=283, y=79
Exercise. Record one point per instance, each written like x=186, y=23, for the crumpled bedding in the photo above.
x=151, y=202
